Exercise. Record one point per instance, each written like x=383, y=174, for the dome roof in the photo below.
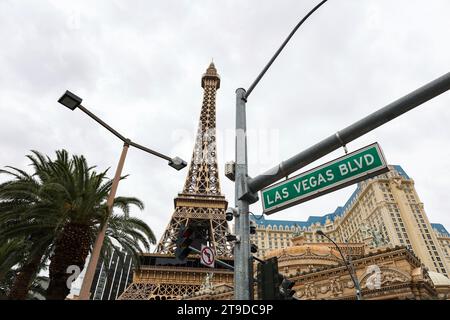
x=439, y=279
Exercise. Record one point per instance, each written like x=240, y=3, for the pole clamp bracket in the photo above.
x=244, y=192
x=342, y=142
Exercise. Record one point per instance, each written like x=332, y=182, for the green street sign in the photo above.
x=359, y=165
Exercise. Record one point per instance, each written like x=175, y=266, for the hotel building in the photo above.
x=385, y=210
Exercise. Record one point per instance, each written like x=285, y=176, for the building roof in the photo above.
x=441, y=229
x=312, y=220
x=439, y=279
x=401, y=172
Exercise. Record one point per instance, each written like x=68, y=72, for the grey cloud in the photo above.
x=138, y=66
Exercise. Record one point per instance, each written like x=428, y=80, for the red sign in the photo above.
x=207, y=256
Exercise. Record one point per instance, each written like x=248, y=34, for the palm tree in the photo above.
x=60, y=209
x=21, y=199
x=10, y=255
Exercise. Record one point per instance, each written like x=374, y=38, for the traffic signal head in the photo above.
x=269, y=280
x=184, y=240
x=286, y=291
x=252, y=227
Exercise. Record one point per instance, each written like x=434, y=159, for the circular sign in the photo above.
x=207, y=256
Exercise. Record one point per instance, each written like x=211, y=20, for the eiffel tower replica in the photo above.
x=201, y=207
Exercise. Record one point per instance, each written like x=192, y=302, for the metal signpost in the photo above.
x=344, y=171
x=222, y=263
x=246, y=188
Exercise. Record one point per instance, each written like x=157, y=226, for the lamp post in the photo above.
x=352, y=274
x=72, y=101
x=244, y=195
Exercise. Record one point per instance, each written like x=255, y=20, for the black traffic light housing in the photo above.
x=185, y=238
x=252, y=228
x=269, y=280
x=271, y=284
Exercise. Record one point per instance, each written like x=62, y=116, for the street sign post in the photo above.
x=207, y=256
x=362, y=164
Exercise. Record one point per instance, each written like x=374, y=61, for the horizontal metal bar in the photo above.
x=352, y=132
x=258, y=259
x=226, y=265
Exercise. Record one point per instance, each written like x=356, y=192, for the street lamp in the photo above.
x=243, y=286
x=352, y=275
x=72, y=101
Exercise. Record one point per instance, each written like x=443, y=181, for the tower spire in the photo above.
x=203, y=176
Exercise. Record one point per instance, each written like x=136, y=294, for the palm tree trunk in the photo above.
x=22, y=282
x=71, y=248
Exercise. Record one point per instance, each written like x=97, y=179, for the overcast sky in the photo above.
x=138, y=64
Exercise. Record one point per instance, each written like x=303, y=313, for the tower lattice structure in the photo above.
x=200, y=206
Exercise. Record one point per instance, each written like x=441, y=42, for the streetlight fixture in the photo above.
x=352, y=275
x=72, y=101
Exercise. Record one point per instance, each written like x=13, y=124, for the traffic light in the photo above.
x=269, y=280
x=252, y=227
x=184, y=240
x=271, y=284
x=286, y=291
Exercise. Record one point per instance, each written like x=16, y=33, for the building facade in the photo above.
x=317, y=270
x=385, y=209
x=112, y=276
x=444, y=240
x=383, y=273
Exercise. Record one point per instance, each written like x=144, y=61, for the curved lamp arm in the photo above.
x=355, y=281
